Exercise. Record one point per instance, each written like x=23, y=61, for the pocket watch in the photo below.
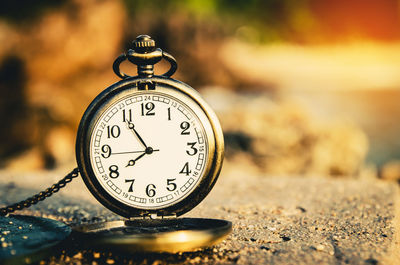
x=150, y=149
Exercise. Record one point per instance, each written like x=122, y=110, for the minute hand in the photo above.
x=132, y=127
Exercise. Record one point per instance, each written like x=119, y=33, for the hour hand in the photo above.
x=132, y=127
x=132, y=162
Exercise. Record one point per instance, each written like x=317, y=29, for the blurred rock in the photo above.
x=281, y=138
x=65, y=53
x=391, y=171
x=340, y=149
x=58, y=144
x=13, y=107
x=32, y=159
x=61, y=61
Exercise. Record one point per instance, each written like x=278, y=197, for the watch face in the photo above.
x=149, y=149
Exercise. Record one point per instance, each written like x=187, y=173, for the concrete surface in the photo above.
x=291, y=220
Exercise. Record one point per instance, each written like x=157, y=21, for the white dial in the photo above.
x=149, y=150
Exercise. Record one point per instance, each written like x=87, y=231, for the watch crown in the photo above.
x=144, y=44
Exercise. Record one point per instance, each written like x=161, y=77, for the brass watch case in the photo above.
x=134, y=85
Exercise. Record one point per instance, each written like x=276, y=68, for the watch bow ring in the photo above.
x=144, y=55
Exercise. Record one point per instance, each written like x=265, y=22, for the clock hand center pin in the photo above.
x=149, y=150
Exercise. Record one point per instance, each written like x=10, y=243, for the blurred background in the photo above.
x=301, y=87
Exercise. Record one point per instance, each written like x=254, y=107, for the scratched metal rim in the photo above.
x=200, y=234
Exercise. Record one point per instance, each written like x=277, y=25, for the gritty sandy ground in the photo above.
x=276, y=220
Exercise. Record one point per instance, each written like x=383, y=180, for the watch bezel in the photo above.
x=89, y=119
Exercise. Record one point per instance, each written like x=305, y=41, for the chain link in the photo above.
x=41, y=195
